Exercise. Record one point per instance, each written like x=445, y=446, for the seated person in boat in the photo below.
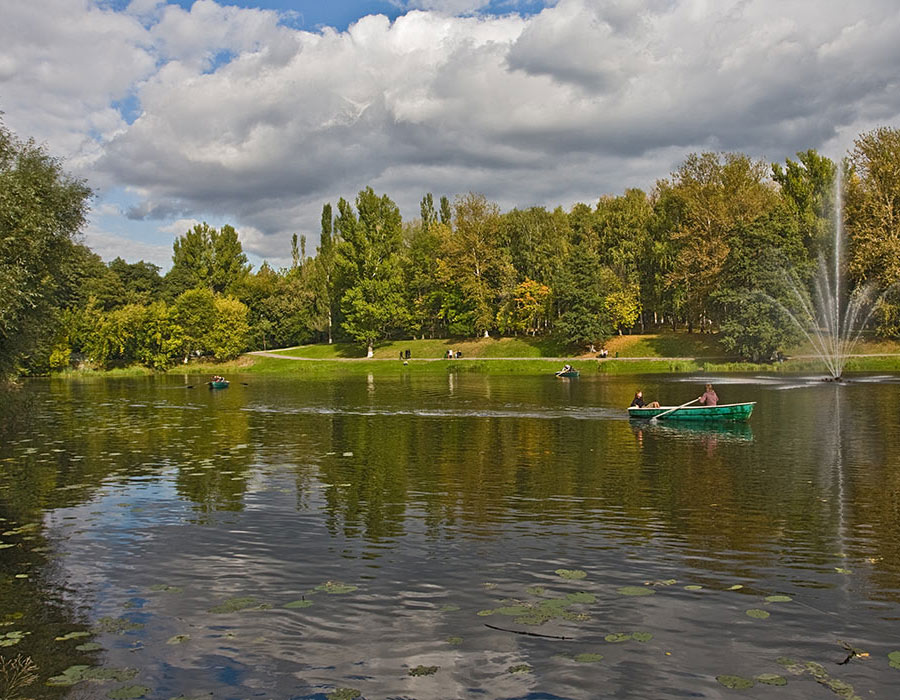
x=709, y=397
x=638, y=401
x=566, y=368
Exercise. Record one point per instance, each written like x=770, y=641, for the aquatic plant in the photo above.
x=16, y=674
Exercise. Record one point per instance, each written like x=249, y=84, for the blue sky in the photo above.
x=178, y=112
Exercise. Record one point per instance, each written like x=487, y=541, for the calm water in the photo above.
x=287, y=538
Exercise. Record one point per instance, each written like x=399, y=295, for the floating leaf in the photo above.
x=424, y=670
x=894, y=658
x=588, y=658
x=735, y=682
x=336, y=587
x=693, y=587
x=89, y=646
x=520, y=668
x=238, y=605
x=641, y=636
x=12, y=638
x=735, y=587
x=581, y=597
x=72, y=635
x=484, y=613
x=770, y=679
x=128, y=691
x=537, y=590
x=298, y=604
x=617, y=637
x=117, y=625
x=778, y=599
x=757, y=614
x=343, y=694
x=842, y=570
x=513, y=610
x=178, y=639
x=454, y=641
x=165, y=588
x=635, y=591
x=449, y=608
x=571, y=574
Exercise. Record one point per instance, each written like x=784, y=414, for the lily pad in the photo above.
x=770, y=679
x=735, y=587
x=841, y=570
x=757, y=614
x=588, y=658
x=424, y=670
x=571, y=574
x=693, y=587
x=117, y=625
x=778, y=599
x=72, y=635
x=485, y=613
x=449, y=607
x=635, y=591
x=128, y=691
x=238, y=605
x=178, y=639
x=336, y=587
x=9, y=639
x=642, y=637
x=520, y=668
x=894, y=659
x=454, y=641
x=89, y=646
x=298, y=604
x=617, y=637
x=581, y=597
x=537, y=590
x=735, y=682
x=343, y=694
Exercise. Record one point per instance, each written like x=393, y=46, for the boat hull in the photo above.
x=568, y=375
x=738, y=412
x=218, y=385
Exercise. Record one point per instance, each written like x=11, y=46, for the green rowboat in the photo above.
x=725, y=411
x=218, y=385
x=568, y=375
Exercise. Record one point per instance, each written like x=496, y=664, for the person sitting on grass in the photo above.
x=638, y=401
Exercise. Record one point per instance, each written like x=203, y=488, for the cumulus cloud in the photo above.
x=247, y=120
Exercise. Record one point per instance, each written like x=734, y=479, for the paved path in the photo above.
x=571, y=358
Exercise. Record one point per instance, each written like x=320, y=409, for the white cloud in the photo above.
x=254, y=123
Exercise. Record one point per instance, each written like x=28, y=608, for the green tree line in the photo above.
x=715, y=247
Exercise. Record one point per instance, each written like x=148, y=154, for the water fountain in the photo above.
x=832, y=323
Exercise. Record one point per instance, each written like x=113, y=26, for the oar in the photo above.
x=672, y=410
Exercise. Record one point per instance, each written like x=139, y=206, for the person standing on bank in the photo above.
x=709, y=397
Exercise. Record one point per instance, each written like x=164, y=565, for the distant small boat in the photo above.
x=568, y=373
x=725, y=411
x=219, y=385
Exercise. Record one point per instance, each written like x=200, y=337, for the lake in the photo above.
x=460, y=536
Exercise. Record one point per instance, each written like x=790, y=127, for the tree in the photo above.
x=475, y=259
x=873, y=219
x=709, y=196
x=807, y=186
x=230, y=330
x=205, y=257
x=446, y=214
x=581, y=290
x=368, y=256
x=194, y=314
x=41, y=211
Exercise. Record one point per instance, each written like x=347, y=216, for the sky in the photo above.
x=256, y=113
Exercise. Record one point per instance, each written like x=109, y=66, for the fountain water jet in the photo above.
x=831, y=323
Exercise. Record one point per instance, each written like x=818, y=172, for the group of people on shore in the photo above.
x=707, y=398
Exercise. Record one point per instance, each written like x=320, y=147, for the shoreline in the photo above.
x=268, y=363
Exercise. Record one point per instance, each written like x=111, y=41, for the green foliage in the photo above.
x=369, y=259
x=207, y=258
x=230, y=331
x=41, y=210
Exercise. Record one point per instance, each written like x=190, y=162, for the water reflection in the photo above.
x=153, y=504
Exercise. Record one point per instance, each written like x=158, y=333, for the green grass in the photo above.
x=469, y=347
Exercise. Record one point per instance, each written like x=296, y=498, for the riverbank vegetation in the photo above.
x=708, y=265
